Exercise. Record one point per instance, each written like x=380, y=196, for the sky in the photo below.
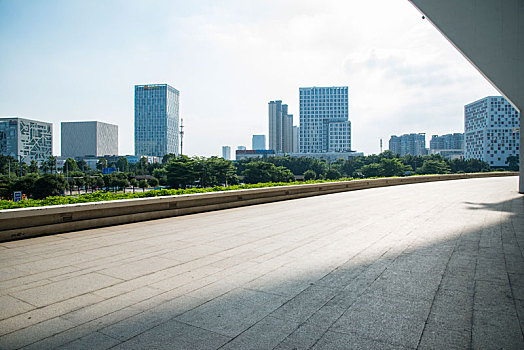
x=76, y=60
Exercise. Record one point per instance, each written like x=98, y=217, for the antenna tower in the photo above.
x=181, y=135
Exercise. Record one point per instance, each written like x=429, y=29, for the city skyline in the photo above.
x=402, y=74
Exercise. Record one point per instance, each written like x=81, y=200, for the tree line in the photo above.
x=182, y=172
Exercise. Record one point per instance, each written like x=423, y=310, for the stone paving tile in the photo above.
x=334, y=340
x=175, y=335
x=74, y=332
x=94, y=340
x=62, y=290
x=234, y=312
x=141, y=322
x=393, y=321
x=430, y=266
x=305, y=304
x=38, y=315
x=107, y=306
x=266, y=334
x=11, y=306
x=34, y=333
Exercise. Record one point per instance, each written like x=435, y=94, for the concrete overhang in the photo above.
x=490, y=34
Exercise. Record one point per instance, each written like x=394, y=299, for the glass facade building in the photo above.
x=491, y=127
x=324, y=124
x=156, y=120
x=258, y=142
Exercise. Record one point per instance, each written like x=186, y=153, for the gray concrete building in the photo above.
x=88, y=138
x=280, y=127
x=25, y=139
x=296, y=139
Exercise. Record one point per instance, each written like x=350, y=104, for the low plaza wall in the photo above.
x=37, y=221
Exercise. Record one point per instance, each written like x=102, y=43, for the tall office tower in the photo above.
x=296, y=137
x=93, y=138
x=226, y=152
x=156, y=120
x=280, y=127
x=258, y=142
x=324, y=124
x=26, y=140
x=414, y=144
x=491, y=127
x=449, y=141
x=394, y=144
x=241, y=148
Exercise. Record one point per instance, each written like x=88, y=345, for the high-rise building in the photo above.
x=414, y=144
x=296, y=138
x=491, y=127
x=450, y=146
x=26, y=140
x=226, y=152
x=324, y=123
x=258, y=142
x=156, y=120
x=241, y=148
x=280, y=127
x=91, y=138
x=448, y=141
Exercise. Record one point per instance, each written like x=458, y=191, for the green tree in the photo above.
x=100, y=183
x=216, y=171
x=392, y=167
x=431, y=166
x=133, y=183
x=6, y=187
x=48, y=185
x=333, y=174
x=49, y=165
x=142, y=184
x=33, y=167
x=161, y=175
x=310, y=175
x=101, y=164
x=153, y=182
x=371, y=170
x=513, y=163
x=257, y=172
x=70, y=165
x=26, y=184
x=182, y=172
x=82, y=165
x=122, y=164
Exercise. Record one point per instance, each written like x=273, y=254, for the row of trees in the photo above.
x=182, y=172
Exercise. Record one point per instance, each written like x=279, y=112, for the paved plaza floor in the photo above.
x=431, y=266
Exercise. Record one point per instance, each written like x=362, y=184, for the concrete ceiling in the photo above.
x=490, y=34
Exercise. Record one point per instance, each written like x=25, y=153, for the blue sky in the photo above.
x=79, y=60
